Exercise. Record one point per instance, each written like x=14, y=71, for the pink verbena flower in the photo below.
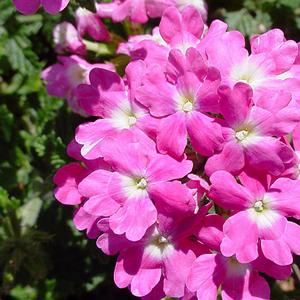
x=62, y=78
x=177, y=30
x=119, y=10
x=139, y=10
x=156, y=8
x=266, y=68
x=260, y=216
x=209, y=272
x=250, y=133
x=31, y=6
x=139, y=178
x=107, y=97
x=182, y=105
x=150, y=266
x=89, y=22
x=66, y=38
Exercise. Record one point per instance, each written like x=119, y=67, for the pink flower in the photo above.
x=138, y=11
x=264, y=69
x=62, y=78
x=177, y=30
x=107, y=97
x=182, y=104
x=119, y=10
x=139, y=180
x=260, y=215
x=66, y=38
x=250, y=133
x=31, y=6
x=150, y=266
x=209, y=272
x=88, y=22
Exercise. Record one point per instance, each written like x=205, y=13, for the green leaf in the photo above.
x=17, y=58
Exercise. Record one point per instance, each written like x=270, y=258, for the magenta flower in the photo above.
x=209, y=272
x=250, y=133
x=89, y=22
x=138, y=11
x=182, y=104
x=177, y=30
x=31, y=6
x=260, y=215
x=266, y=68
x=139, y=178
x=149, y=266
x=107, y=97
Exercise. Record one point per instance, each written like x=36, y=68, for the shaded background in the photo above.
x=42, y=256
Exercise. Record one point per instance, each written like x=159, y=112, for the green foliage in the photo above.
x=42, y=256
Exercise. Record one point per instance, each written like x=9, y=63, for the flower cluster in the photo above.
x=191, y=171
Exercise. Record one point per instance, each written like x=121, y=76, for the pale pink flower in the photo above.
x=62, y=78
x=67, y=39
x=89, y=22
x=266, y=68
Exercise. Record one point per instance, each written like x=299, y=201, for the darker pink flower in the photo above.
x=31, y=6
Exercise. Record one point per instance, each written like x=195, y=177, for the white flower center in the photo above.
x=188, y=106
x=242, y=134
x=259, y=206
x=248, y=72
x=142, y=184
x=131, y=120
x=158, y=246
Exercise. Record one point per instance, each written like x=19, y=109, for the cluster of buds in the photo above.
x=191, y=171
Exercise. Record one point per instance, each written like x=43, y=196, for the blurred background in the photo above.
x=42, y=256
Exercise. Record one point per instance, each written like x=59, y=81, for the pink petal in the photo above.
x=172, y=197
x=292, y=237
x=235, y=103
x=111, y=243
x=54, y=6
x=134, y=218
x=277, y=251
x=192, y=21
x=227, y=193
x=144, y=281
x=67, y=179
x=211, y=232
x=206, y=135
x=240, y=230
x=170, y=24
x=285, y=197
x=174, y=281
x=165, y=168
x=90, y=135
x=206, y=275
x=27, y=7
x=172, y=135
x=230, y=159
x=265, y=265
x=269, y=155
x=129, y=159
